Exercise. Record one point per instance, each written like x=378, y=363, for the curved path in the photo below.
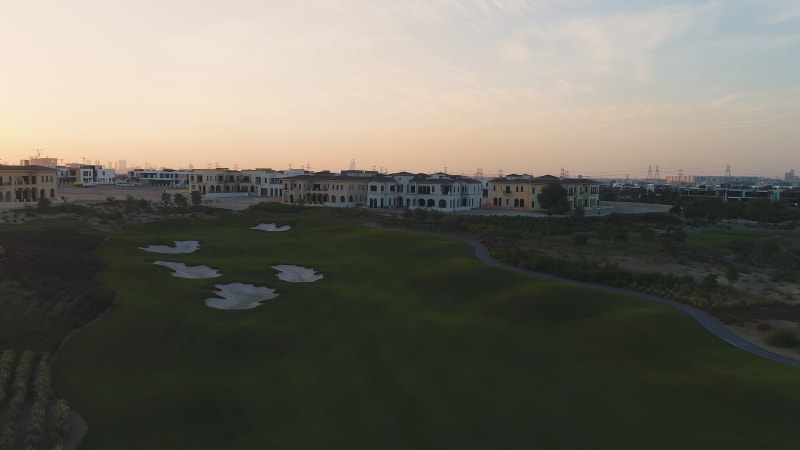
x=706, y=320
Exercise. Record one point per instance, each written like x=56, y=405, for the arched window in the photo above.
x=442, y=204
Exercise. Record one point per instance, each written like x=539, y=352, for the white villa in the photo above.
x=355, y=188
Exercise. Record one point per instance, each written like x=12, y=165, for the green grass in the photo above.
x=408, y=342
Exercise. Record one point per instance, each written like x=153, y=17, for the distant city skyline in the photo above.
x=604, y=89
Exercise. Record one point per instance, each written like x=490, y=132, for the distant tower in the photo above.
x=500, y=173
x=649, y=172
x=728, y=170
x=658, y=173
x=353, y=164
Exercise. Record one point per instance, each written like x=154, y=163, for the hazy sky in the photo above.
x=600, y=88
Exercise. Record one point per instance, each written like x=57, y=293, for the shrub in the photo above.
x=764, y=326
x=783, y=338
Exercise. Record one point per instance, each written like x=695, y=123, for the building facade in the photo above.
x=521, y=191
x=27, y=184
x=170, y=178
x=370, y=189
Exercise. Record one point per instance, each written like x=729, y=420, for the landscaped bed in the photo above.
x=409, y=342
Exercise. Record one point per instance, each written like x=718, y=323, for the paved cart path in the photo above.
x=706, y=320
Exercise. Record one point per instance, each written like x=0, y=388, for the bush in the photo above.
x=783, y=338
x=763, y=326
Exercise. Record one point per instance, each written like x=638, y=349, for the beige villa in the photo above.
x=27, y=184
x=521, y=191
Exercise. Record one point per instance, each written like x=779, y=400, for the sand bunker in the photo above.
x=240, y=296
x=180, y=247
x=270, y=227
x=297, y=274
x=181, y=270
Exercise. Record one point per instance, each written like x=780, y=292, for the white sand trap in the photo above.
x=180, y=247
x=270, y=227
x=240, y=296
x=181, y=270
x=297, y=274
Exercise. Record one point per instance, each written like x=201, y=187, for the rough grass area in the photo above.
x=408, y=342
x=47, y=282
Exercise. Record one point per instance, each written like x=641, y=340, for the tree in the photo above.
x=732, y=274
x=553, y=199
x=709, y=283
x=180, y=201
x=166, y=199
x=197, y=198
x=43, y=203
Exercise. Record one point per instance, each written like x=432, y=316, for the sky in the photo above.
x=599, y=88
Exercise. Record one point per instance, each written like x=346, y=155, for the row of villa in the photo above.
x=372, y=189
x=348, y=188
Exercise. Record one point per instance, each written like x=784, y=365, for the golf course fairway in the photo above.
x=408, y=342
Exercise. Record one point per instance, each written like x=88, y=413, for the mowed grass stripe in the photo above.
x=408, y=342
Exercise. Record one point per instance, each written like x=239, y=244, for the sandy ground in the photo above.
x=297, y=274
x=179, y=247
x=240, y=296
x=181, y=270
x=270, y=227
